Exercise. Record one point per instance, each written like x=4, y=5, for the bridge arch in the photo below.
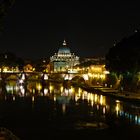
x=78, y=79
x=71, y=76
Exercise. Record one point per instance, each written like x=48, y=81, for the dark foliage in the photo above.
x=11, y=60
x=124, y=57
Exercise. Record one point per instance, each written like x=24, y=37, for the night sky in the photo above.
x=37, y=28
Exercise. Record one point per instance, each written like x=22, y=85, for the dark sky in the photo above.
x=36, y=28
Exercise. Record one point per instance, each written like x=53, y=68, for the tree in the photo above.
x=9, y=59
x=124, y=58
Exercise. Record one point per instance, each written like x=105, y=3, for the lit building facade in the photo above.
x=64, y=59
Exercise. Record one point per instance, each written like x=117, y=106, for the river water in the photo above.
x=55, y=111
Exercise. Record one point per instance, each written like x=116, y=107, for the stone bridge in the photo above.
x=20, y=75
x=40, y=76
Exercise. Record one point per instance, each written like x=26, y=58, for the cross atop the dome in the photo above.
x=64, y=43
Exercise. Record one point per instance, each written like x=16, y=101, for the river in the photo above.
x=56, y=111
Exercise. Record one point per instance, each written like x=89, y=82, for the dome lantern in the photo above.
x=64, y=49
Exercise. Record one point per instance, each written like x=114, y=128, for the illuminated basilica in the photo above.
x=64, y=60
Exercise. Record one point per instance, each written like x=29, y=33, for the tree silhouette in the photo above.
x=124, y=58
x=11, y=60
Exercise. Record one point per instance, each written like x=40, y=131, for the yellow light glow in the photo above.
x=5, y=69
x=103, y=110
x=101, y=99
x=90, y=75
x=54, y=98
x=106, y=72
x=91, y=99
x=95, y=98
x=45, y=91
x=51, y=88
x=38, y=86
x=63, y=108
x=22, y=91
x=117, y=101
x=14, y=98
x=61, y=88
x=45, y=77
x=88, y=97
x=71, y=90
x=83, y=97
x=33, y=98
x=85, y=76
x=97, y=107
x=117, y=108
x=23, y=76
x=79, y=90
x=33, y=91
x=92, y=103
x=77, y=97
x=66, y=92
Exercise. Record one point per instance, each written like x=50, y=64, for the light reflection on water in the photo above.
x=91, y=106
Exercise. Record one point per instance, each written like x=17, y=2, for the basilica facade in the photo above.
x=63, y=60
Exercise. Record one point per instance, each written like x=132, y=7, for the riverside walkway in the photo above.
x=124, y=95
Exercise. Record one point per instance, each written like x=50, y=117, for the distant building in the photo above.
x=64, y=59
x=93, y=60
x=28, y=68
